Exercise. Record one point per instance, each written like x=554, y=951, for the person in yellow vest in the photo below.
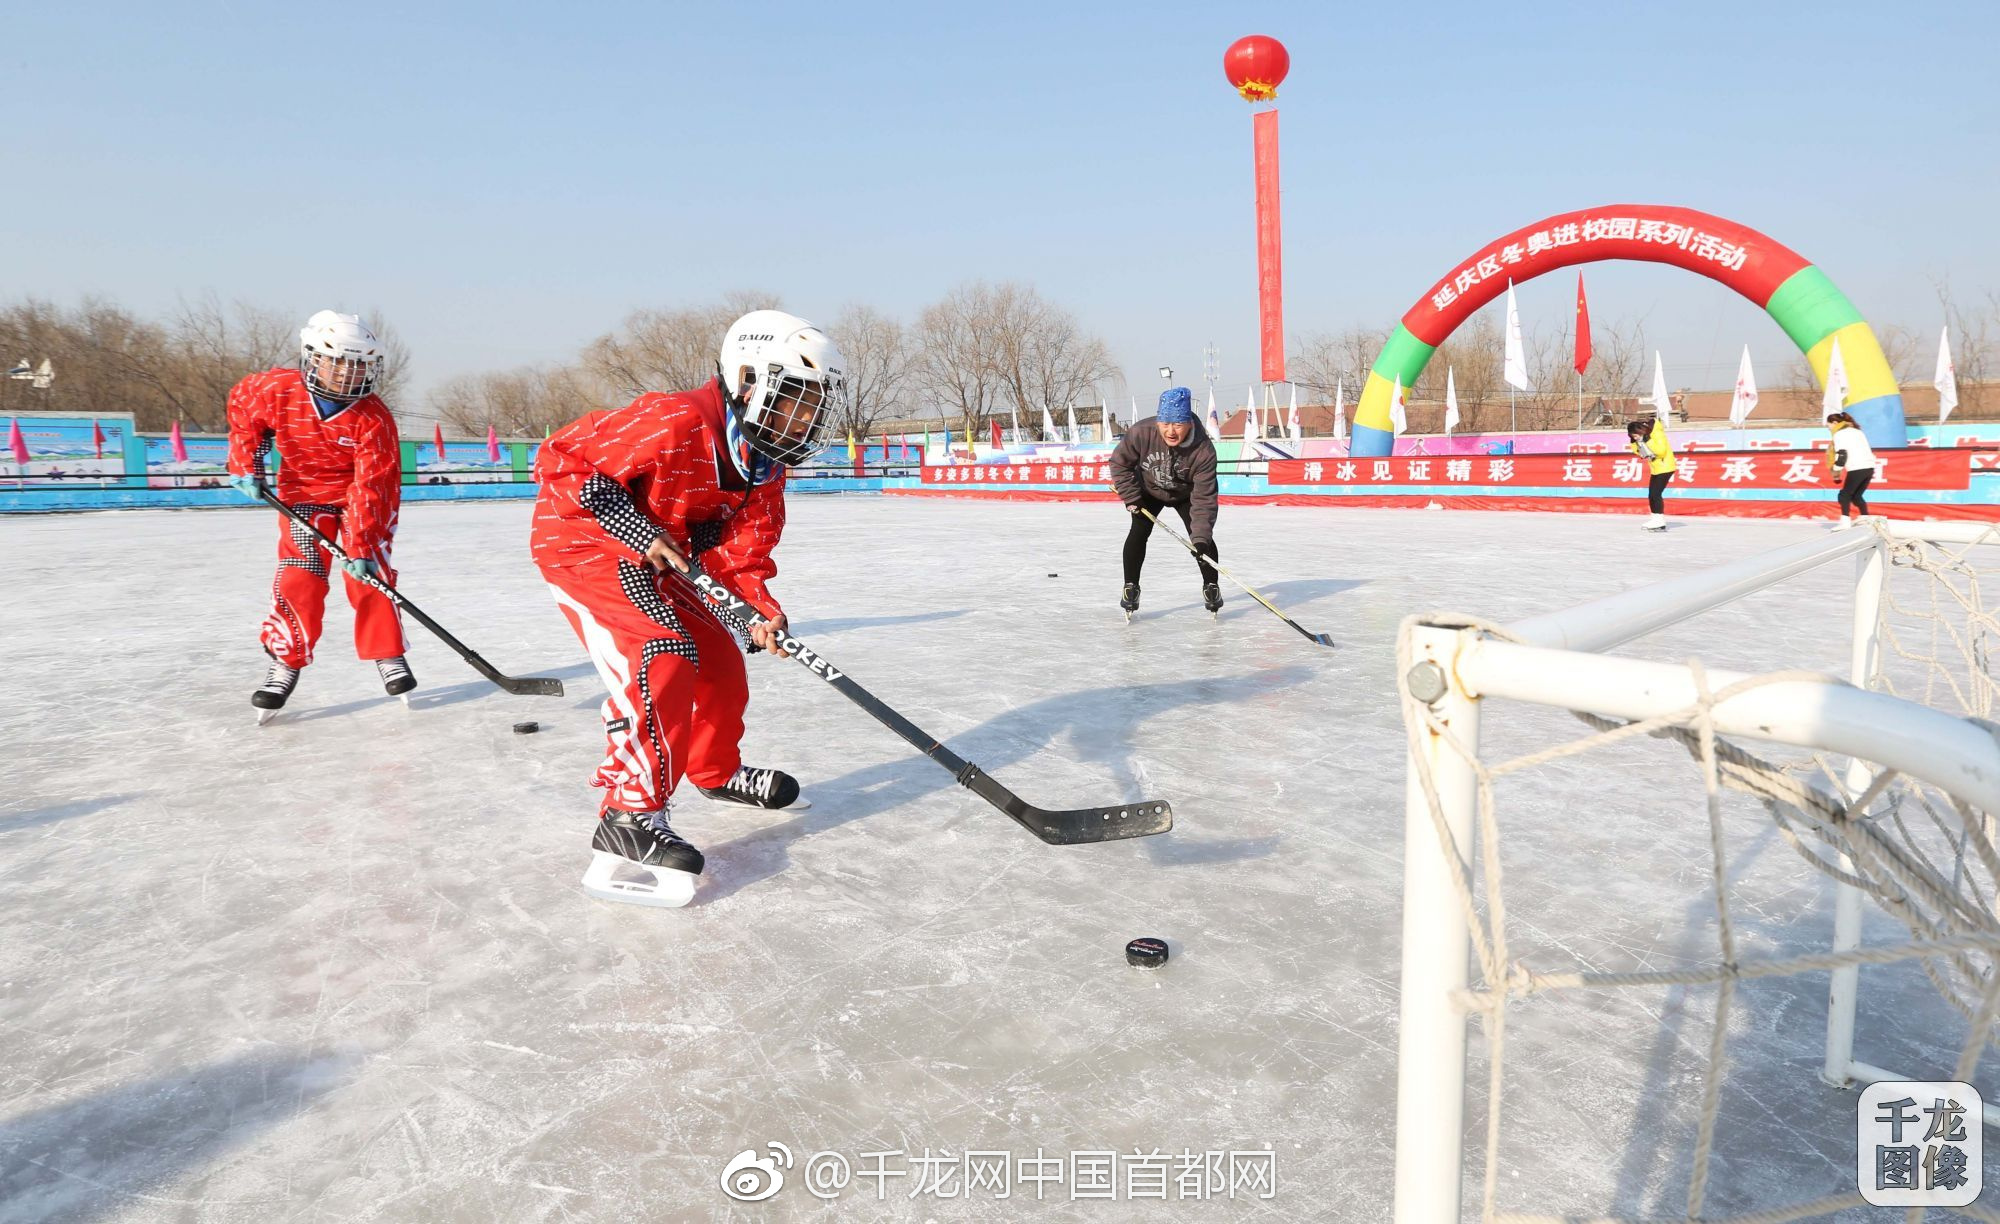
x=1647, y=437
x=1850, y=454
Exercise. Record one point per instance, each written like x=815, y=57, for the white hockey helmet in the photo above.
x=786, y=381
x=339, y=355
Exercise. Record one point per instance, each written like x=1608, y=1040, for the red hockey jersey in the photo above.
x=614, y=479
x=353, y=460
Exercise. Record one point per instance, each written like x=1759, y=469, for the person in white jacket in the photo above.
x=1851, y=454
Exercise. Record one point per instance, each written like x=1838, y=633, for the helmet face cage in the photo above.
x=787, y=409
x=338, y=375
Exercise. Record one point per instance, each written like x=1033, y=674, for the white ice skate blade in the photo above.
x=799, y=804
x=612, y=877
x=264, y=716
x=404, y=698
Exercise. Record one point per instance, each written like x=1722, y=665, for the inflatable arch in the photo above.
x=1797, y=296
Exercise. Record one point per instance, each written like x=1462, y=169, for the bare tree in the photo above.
x=956, y=339
x=668, y=350
x=528, y=402
x=880, y=368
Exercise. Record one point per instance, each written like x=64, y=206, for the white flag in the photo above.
x=1213, y=422
x=1109, y=418
x=1398, y=419
x=1253, y=426
x=1662, y=403
x=1339, y=409
x=1017, y=424
x=1075, y=435
x=1517, y=363
x=1836, y=382
x=1292, y=418
x=1450, y=399
x=1744, y=402
x=1249, y=434
x=1049, y=431
x=1946, y=380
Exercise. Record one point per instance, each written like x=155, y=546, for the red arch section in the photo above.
x=1747, y=261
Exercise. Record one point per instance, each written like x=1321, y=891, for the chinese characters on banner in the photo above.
x=1020, y=473
x=1709, y=470
x=1505, y=259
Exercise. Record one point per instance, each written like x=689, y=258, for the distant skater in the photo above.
x=1647, y=437
x=1850, y=454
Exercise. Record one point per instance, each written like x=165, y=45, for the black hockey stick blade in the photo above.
x=1068, y=828
x=525, y=686
x=1076, y=826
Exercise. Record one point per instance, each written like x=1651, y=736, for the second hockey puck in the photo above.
x=526, y=728
x=1146, y=952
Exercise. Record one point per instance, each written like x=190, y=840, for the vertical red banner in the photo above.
x=1270, y=249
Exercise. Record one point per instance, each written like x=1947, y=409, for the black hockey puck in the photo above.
x=1051, y=575
x=526, y=728
x=1146, y=952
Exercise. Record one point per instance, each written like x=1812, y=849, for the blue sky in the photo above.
x=506, y=182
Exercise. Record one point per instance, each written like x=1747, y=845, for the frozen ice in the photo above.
x=340, y=967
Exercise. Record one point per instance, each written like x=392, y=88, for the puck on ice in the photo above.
x=526, y=728
x=1146, y=952
x=1051, y=575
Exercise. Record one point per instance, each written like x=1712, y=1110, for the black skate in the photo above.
x=1211, y=599
x=1129, y=601
x=270, y=697
x=760, y=788
x=397, y=678
x=637, y=858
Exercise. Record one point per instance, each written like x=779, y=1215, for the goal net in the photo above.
x=1645, y=901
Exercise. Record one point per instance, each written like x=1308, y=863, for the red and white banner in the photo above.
x=1706, y=470
x=1270, y=248
x=1020, y=473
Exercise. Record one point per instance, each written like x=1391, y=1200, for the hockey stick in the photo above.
x=537, y=686
x=1319, y=638
x=1066, y=828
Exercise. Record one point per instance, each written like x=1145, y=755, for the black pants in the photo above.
x=1142, y=529
x=1654, y=487
x=1851, y=490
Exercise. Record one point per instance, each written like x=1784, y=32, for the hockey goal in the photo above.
x=1885, y=783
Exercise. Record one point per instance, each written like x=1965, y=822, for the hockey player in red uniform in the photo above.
x=340, y=464
x=627, y=495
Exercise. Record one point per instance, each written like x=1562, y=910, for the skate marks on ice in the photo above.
x=1097, y=724
x=112, y=1153
x=1291, y=594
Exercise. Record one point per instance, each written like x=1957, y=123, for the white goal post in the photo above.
x=1449, y=666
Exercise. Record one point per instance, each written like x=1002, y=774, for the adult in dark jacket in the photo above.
x=1167, y=461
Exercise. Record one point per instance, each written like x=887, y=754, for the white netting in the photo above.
x=1926, y=857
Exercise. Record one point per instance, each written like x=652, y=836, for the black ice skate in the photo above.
x=1211, y=598
x=760, y=788
x=270, y=697
x=397, y=678
x=636, y=858
x=1129, y=601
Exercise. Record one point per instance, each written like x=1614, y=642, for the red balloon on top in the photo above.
x=1256, y=65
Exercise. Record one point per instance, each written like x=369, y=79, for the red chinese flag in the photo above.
x=997, y=443
x=1582, y=328
x=97, y=437
x=437, y=440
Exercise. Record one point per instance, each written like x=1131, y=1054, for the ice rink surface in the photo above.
x=340, y=968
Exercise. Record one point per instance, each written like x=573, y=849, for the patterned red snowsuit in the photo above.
x=345, y=473
x=611, y=482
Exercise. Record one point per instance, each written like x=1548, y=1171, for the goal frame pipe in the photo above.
x=1437, y=949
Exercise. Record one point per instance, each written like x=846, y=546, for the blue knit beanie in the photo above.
x=1176, y=407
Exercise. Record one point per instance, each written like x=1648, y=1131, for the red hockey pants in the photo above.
x=675, y=676
x=298, y=597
